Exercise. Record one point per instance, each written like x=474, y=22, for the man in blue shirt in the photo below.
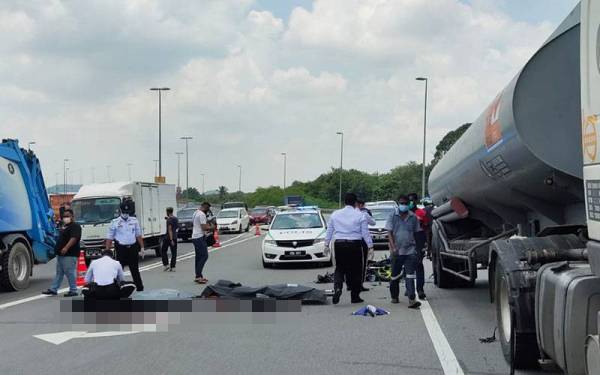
x=402, y=226
x=349, y=228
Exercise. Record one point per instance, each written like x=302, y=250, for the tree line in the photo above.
x=324, y=190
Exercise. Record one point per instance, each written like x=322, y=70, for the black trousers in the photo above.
x=111, y=291
x=166, y=244
x=127, y=255
x=348, y=265
x=365, y=254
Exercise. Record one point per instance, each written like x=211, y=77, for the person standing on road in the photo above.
x=201, y=228
x=360, y=206
x=349, y=227
x=402, y=226
x=104, y=279
x=67, y=250
x=125, y=231
x=420, y=242
x=170, y=241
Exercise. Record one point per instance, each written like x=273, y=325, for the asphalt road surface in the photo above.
x=441, y=338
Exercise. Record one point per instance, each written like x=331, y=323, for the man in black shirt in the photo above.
x=67, y=251
x=170, y=240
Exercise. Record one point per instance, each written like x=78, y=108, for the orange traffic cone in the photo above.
x=257, y=232
x=217, y=242
x=81, y=269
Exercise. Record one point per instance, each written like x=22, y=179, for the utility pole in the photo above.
x=160, y=90
x=341, y=164
x=187, y=167
x=179, y=169
x=284, y=169
x=240, y=179
x=156, y=171
x=203, y=191
x=65, y=175
x=424, y=136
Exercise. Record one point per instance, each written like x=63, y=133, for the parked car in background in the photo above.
x=233, y=220
x=234, y=205
x=185, y=223
x=261, y=215
x=378, y=231
x=370, y=205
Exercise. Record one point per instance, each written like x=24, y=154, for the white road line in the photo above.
x=444, y=352
x=189, y=255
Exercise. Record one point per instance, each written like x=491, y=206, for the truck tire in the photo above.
x=16, y=267
x=442, y=279
x=519, y=350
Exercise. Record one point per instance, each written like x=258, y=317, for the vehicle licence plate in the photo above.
x=295, y=253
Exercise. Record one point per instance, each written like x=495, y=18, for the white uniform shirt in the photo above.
x=198, y=219
x=104, y=271
x=124, y=231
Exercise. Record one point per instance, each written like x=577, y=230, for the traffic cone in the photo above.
x=217, y=242
x=81, y=269
x=257, y=232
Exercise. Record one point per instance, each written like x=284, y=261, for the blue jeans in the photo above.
x=201, y=251
x=409, y=263
x=421, y=240
x=65, y=266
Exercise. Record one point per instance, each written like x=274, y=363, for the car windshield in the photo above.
x=381, y=213
x=297, y=221
x=95, y=210
x=186, y=214
x=232, y=205
x=227, y=214
x=258, y=211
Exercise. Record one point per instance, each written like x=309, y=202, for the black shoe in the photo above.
x=413, y=304
x=49, y=292
x=395, y=300
x=70, y=294
x=363, y=289
x=356, y=300
x=336, y=297
x=140, y=289
x=422, y=295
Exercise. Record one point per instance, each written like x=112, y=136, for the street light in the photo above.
x=187, y=167
x=179, y=169
x=160, y=90
x=156, y=162
x=341, y=164
x=284, y=168
x=65, y=176
x=29, y=145
x=240, y=180
x=129, y=170
x=203, y=191
x=424, y=136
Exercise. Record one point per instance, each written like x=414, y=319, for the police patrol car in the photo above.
x=296, y=235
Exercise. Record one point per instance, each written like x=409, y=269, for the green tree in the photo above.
x=448, y=141
x=222, y=192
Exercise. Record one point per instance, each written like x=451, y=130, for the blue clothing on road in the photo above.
x=125, y=232
x=348, y=224
x=403, y=231
x=65, y=266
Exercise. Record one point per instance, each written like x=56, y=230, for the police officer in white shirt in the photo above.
x=125, y=231
x=105, y=279
x=360, y=206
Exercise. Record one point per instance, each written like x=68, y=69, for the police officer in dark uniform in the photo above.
x=125, y=231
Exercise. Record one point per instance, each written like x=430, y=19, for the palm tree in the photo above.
x=222, y=192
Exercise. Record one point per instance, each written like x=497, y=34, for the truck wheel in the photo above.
x=520, y=350
x=16, y=267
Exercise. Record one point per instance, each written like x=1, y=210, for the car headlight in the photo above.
x=234, y=222
x=319, y=240
x=270, y=242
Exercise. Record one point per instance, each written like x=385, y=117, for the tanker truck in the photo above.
x=515, y=196
x=27, y=230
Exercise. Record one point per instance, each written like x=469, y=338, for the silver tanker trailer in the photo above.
x=511, y=198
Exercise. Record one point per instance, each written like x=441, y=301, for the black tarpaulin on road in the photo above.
x=231, y=290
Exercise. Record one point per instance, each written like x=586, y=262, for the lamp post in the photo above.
x=203, y=191
x=65, y=176
x=424, y=135
x=240, y=179
x=179, y=169
x=160, y=90
x=284, y=169
x=187, y=168
x=341, y=164
x=156, y=171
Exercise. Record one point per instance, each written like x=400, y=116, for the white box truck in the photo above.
x=96, y=205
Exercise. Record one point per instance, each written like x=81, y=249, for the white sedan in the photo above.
x=296, y=236
x=233, y=220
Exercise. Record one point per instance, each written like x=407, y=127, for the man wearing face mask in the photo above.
x=401, y=227
x=67, y=251
x=420, y=242
x=125, y=231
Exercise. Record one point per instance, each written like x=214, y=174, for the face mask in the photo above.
x=67, y=220
x=402, y=208
x=125, y=216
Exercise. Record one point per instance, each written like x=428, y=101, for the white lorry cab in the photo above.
x=96, y=205
x=297, y=235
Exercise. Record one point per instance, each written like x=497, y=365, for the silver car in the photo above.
x=378, y=232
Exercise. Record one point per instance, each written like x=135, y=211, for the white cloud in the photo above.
x=247, y=85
